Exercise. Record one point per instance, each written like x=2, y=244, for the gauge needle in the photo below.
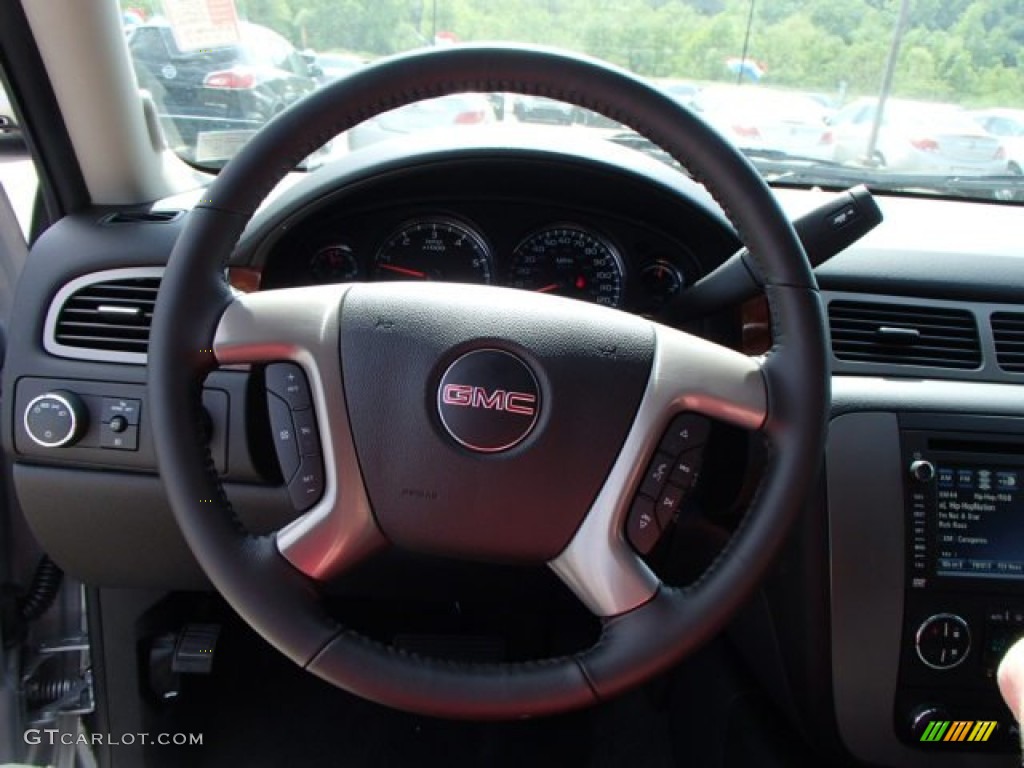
x=548, y=288
x=404, y=271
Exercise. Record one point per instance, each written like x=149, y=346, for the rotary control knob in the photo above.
x=922, y=719
x=922, y=471
x=943, y=641
x=55, y=419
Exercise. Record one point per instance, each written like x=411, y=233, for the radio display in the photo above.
x=979, y=522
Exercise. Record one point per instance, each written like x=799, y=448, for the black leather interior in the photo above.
x=280, y=603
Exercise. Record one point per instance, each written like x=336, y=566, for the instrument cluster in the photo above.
x=615, y=264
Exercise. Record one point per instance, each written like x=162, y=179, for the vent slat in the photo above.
x=1008, y=333
x=944, y=338
x=97, y=317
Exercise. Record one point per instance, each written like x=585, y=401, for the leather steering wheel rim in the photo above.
x=280, y=602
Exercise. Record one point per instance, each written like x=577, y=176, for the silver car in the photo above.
x=915, y=137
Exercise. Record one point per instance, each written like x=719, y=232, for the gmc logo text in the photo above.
x=467, y=396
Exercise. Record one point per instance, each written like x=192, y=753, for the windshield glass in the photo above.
x=921, y=96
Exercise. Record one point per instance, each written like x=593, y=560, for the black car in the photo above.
x=216, y=90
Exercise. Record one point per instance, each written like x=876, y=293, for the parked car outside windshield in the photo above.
x=207, y=98
x=766, y=75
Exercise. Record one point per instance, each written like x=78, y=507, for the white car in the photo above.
x=915, y=137
x=1008, y=125
x=755, y=117
x=444, y=113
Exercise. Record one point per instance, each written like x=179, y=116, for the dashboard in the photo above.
x=531, y=246
x=524, y=223
x=837, y=632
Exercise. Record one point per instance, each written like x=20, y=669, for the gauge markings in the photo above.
x=435, y=248
x=569, y=260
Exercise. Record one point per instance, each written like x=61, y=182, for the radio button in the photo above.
x=943, y=641
x=922, y=471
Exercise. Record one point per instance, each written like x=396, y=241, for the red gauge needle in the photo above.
x=548, y=288
x=404, y=271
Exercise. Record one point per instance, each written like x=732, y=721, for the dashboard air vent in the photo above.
x=898, y=334
x=108, y=316
x=1008, y=332
x=141, y=217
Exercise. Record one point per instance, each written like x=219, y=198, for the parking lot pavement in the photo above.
x=19, y=180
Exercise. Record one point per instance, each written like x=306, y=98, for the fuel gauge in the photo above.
x=660, y=281
x=334, y=264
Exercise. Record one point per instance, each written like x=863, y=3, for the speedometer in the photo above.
x=569, y=260
x=435, y=248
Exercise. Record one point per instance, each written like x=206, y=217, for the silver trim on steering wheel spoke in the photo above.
x=302, y=325
x=688, y=373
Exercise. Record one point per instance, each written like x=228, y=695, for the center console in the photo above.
x=963, y=580
x=925, y=579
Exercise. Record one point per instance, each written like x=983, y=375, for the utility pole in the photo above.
x=890, y=68
x=746, y=44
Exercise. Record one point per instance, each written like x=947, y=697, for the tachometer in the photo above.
x=434, y=248
x=569, y=260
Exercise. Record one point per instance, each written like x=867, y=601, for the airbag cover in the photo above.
x=521, y=502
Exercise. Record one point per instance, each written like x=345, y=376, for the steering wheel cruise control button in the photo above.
x=283, y=431
x=305, y=431
x=287, y=381
x=307, y=486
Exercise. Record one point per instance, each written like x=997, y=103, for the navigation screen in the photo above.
x=979, y=524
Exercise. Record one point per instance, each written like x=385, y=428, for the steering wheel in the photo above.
x=478, y=422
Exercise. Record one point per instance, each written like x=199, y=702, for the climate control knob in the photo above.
x=55, y=419
x=943, y=641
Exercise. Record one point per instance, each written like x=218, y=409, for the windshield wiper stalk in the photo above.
x=824, y=232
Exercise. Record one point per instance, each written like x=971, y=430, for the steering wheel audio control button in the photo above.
x=668, y=504
x=305, y=431
x=283, y=431
x=306, y=488
x=657, y=475
x=688, y=430
x=642, y=527
x=687, y=469
x=287, y=381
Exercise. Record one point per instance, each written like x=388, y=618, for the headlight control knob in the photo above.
x=55, y=419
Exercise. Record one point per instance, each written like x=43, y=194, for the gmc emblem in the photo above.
x=469, y=396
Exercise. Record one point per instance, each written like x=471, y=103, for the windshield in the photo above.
x=921, y=96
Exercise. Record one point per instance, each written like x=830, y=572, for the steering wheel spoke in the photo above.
x=688, y=374
x=301, y=325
